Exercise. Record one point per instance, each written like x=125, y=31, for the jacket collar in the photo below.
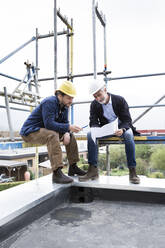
x=62, y=108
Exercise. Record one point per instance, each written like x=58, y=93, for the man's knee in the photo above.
x=128, y=135
x=53, y=136
x=66, y=139
x=89, y=136
x=73, y=140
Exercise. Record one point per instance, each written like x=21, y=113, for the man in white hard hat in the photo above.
x=48, y=124
x=104, y=109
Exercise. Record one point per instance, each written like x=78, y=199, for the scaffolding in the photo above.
x=30, y=98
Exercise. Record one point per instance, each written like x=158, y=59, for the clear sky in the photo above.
x=135, y=45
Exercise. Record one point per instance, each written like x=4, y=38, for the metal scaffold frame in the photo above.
x=102, y=19
x=32, y=99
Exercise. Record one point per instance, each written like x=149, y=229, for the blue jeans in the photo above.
x=129, y=149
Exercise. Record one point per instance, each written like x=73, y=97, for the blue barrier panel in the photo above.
x=10, y=145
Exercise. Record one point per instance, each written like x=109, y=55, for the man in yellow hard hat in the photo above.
x=48, y=124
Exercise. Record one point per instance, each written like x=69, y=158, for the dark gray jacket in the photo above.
x=120, y=108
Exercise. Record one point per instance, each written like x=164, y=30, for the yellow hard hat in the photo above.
x=68, y=88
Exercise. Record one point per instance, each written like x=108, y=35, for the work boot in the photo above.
x=60, y=177
x=133, y=178
x=75, y=170
x=92, y=174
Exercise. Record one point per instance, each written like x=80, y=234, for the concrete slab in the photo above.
x=19, y=199
x=122, y=183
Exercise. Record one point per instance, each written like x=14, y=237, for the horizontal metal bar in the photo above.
x=136, y=76
x=83, y=102
x=64, y=20
x=99, y=16
x=51, y=35
x=15, y=97
x=138, y=106
x=18, y=49
x=19, y=109
x=147, y=106
x=86, y=102
x=23, y=104
x=74, y=76
x=148, y=109
x=14, y=78
x=136, y=142
x=9, y=139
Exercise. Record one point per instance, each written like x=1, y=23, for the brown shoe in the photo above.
x=75, y=170
x=59, y=177
x=92, y=174
x=133, y=178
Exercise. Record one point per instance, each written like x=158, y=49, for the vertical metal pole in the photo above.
x=37, y=90
x=108, y=160
x=72, y=114
x=36, y=163
x=71, y=68
x=29, y=76
x=105, y=51
x=36, y=69
x=55, y=45
x=71, y=50
x=94, y=38
x=68, y=52
x=8, y=114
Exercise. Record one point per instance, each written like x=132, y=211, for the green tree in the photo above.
x=158, y=159
x=142, y=167
x=117, y=156
x=143, y=151
x=102, y=161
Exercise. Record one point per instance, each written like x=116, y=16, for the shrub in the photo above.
x=158, y=159
x=32, y=176
x=102, y=161
x=142, y=166
x=4, y=186
x=156, y=175
x=84, y=166
x=118, y=172
x=117, y=156
x=144, y=151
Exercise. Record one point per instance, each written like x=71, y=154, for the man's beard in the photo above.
x=103, y=101
x=67, y=105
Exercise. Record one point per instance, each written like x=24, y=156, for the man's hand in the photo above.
x=119, y=132
x=66, y=139
x=75, y=129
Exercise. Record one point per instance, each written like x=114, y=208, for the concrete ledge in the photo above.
x=122, y=183
x=18, y=200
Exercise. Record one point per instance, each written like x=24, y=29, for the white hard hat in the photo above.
x=95, y=86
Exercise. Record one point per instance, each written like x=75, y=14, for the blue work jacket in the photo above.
x=48, y=114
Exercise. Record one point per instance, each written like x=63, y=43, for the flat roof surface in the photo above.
x=30, y=151
x=9, y=163
x=102, y=224
x=28, y=195
x=21, y=152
